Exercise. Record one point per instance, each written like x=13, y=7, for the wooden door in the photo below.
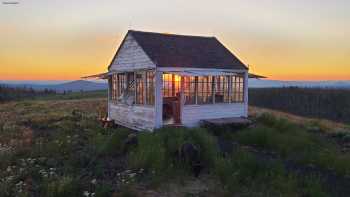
x=177, y=109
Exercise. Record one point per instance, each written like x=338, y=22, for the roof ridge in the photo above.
x=169, y=34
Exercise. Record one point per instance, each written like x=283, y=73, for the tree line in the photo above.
x=332, y=104
x=8, y=93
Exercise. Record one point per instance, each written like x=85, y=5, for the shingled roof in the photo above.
x=170, y=50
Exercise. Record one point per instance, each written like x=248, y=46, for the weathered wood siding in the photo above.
x=192, y=114
x=134, y=117
x=131, y=56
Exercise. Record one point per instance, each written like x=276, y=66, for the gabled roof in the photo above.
x=170, y=50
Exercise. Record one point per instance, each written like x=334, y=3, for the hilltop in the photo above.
x=58, y=148
x=72, y=86
x=82, y=85
x=257, y=83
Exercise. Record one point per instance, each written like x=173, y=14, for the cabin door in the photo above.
x=171, y=99
x=172, y=110
x=177, y=111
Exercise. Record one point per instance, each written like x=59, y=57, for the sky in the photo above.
x=68, y=39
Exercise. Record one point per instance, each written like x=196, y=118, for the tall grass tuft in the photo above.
x=158, y=151
x=295, y=143
x=66, y=186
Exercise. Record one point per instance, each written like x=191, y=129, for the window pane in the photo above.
x=190, y=90
x=171, y=85
x=139, y=88
x=120, y=80
x=150, y=87
x=205, y=90
x=237, y=89
x=222, y=89
x=113, y=87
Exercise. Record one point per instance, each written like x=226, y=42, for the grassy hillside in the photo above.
x=333, y=104
x=58, y=148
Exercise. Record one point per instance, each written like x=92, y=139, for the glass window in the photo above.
x=113, y=87
x=205, y=90
x=150, y=87
x=237, y=89
x=171, y=85
x=140, y=88
x=190, y=90
x=222, y=89
x=121, y=79
x=133, y=88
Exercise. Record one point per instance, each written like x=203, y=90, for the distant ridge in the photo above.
x=256, y=83
x=73, y=86
x=81, y=85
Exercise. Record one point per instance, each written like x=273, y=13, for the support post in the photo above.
x=109, y=96
x=158, y=104
x=246, y=94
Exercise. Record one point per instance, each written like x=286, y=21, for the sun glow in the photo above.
x=63, y=40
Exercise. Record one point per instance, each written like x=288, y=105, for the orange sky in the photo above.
x=64, y=40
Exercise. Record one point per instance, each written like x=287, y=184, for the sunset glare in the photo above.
x=284, y=40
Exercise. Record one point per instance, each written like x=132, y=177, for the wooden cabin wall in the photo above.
x=135, y=117
x=131, y=56
x=192, y=114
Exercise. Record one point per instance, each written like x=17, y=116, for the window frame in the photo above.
x=231, y=82
x=119, y=83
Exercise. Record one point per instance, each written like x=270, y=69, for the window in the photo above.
x=133, y=88
x=121, y=80
x=150, y=87
x=205, y=90
x=222, y=89
x=171, y=85
x=190, y=90
x=140, y=89
x=237, y=89
x=116, y=86
x=130, y=83
x=113, y=87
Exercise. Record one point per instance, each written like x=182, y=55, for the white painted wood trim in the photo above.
x=158, y=99
x=178, y=69
x=108, y=97
x=192, y=114
x=246, y=94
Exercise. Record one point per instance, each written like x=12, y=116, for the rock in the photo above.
x=131, y=139
x=129, y=142
x=190, y=154
x=226, y=147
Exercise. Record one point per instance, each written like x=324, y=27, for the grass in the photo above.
x=158, y=152
x=244, y=174
x=58, y=148
x=76, y=95
x=295, y=143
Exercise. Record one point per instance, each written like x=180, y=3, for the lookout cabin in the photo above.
x=158, y=79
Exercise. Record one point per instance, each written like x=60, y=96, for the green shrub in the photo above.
x=103, y=190
x=128, y=191
x=150, y=153
x=244, y=173
x=113, y=144
x=63, y=187
x=6, y=189
x=312, y=186
x=158, y=151
x=295, y=143
x=286, y=142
